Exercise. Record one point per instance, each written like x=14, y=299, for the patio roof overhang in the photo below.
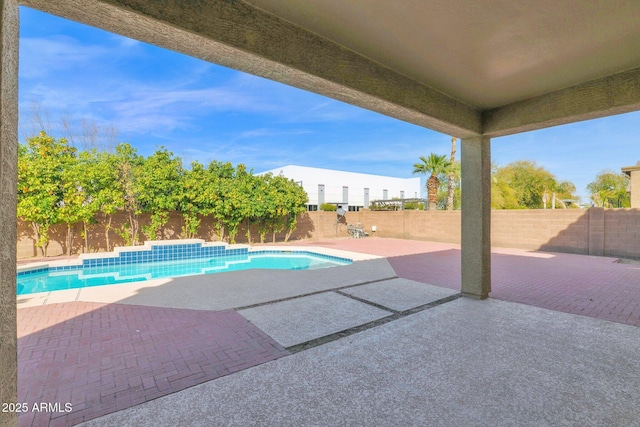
x=473, y=69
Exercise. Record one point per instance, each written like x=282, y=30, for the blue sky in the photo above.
x=201, y=111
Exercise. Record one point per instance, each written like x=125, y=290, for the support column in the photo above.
x=8, y=225
x=476, y=217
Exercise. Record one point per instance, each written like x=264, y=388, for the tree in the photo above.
x=90, y=136
x=127, y=163
x=100, y=180
x=290, y=202
x=248, y=200
x=74, y=207
x=433, y=165
x=211, y=193
x=237, y=203
x=565, y=190
x=450, y=188
x=266, y=200
x=191, y=204
x=452, y=175
x=158, y=186
x=609, y=189
x=41, y=165
x=503, y=196
x=525, y=185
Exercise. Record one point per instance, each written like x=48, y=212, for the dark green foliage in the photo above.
x=434, y=165
x=328, y=207
x=412, y=206
x=525, y=185
x=609, y=190
x=56, y=185
x=44, y=165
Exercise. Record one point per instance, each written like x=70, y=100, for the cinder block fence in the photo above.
x=594, y=231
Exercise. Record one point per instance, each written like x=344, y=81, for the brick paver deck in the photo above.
x=591, y=286
x=106, y=357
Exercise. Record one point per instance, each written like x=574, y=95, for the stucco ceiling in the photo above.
x=461, y=67
x=485, y=53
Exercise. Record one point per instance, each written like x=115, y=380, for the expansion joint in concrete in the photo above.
x=260, y=304
x=394, y=315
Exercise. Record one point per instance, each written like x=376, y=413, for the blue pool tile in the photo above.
x=218, y=256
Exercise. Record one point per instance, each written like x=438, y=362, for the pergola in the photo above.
x=473, y=69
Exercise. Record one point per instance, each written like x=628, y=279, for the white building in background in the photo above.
x=356, y=190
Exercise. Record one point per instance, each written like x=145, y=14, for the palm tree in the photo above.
x=454, y=171
x=452, y=175
x=433, y=165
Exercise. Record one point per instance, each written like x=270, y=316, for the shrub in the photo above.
x=328, y=207
x=410, y=206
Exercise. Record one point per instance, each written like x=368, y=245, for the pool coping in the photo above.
x=67, y=295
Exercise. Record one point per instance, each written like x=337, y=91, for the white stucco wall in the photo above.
x=334, y=181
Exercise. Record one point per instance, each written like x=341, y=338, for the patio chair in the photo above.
x=356, y=231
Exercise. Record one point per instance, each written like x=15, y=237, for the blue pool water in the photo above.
x=58, y=278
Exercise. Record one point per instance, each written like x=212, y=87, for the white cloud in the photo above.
x=41, y=56
x=264, y=132
x=140, y=107
x=159, y=99
x=125, y=42
x=99, y=81
x=297, y=105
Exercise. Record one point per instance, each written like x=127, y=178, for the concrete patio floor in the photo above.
x=599, y=287
x=463, y=363
x=383, y=346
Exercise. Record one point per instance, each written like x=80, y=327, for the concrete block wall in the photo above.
x=595, y=231
x=173, y=230
x=621, y=233
x=565, y=230
x=435, y=226
x=388, y=224
x=326, y=225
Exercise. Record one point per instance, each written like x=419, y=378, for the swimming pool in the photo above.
x=162, y=259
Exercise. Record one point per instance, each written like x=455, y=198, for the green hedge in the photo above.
x=328, y=207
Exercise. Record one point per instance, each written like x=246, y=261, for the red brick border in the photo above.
x=103, y=358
